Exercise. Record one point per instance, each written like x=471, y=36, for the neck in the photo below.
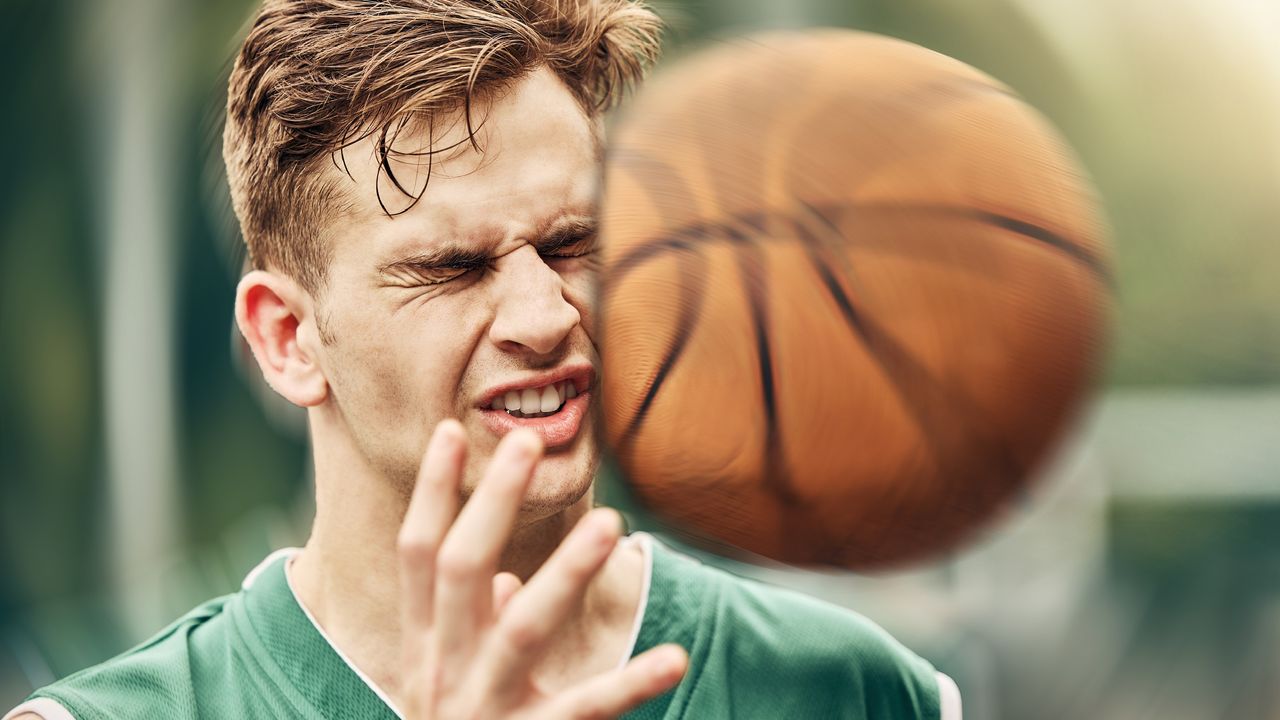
x=347, y=575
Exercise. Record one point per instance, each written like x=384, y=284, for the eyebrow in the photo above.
x=560, y=233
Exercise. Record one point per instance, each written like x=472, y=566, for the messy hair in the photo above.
x=314, y=76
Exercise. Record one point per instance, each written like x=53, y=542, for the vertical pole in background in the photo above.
x=136, y=83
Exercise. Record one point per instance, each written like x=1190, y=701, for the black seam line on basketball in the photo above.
x=692, y=290
x=1023, y=228
x=637, y=257
x=915, y=389
x=751, y=273
x=1050, y=238
x=683, y=237
x=812, y=248
x=692, y=284
x=678, y=239
x=912, y=392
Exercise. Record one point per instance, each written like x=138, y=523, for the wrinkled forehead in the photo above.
x=531, y=154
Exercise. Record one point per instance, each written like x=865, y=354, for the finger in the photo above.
x=505, y=585
x=544, y=604
x=468, y=558
x=614, y=693
x=431, y=511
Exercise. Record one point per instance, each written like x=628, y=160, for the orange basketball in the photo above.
x=852, y=289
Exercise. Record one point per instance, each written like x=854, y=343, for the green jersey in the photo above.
x=755, y=652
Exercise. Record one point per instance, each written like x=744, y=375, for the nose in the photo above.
x=532, y=314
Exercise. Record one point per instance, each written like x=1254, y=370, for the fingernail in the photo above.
x=667, y=660
x=520, y=445
x=449, y=428
x=448, y=433
x=606, y=523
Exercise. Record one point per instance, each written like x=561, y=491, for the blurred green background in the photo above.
x=144, y=470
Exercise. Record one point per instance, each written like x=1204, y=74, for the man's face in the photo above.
x=474, y=298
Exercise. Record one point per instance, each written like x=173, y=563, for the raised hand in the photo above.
x=472, y=635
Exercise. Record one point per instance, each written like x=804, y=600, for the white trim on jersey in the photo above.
x=948, y=698
x=41, y=707
x=359, y=673
x=643, y=538
x=646, y=548
x=47, y=709
x=258, y=569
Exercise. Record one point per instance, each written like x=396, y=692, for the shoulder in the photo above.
x=154, y=679
x=797, y=654
x=815, y=635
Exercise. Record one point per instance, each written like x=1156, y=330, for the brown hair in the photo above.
x=314, y=76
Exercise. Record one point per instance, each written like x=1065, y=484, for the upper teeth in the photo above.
x=529, y=401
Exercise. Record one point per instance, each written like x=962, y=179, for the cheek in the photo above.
x=404, y=364
x=368, y=377
x=394, y=377
x=580, y=290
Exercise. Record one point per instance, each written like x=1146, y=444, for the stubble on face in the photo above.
x=407, y=350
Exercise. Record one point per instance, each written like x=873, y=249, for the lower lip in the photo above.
x=555, y=430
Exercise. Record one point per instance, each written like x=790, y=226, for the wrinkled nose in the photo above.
x=532, y=314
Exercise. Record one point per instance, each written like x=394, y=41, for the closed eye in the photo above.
x=421, y=274
x=569, y=245
x=439, y=276
x=442, y=264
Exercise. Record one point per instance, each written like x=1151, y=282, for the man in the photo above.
x=415, y=181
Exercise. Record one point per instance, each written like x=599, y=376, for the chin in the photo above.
x=562, y=479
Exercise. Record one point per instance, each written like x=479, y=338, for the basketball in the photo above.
x=851, y=290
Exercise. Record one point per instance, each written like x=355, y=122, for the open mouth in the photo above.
x=553, y=404
x=535, y=402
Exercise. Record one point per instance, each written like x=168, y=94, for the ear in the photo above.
x=277, y=319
